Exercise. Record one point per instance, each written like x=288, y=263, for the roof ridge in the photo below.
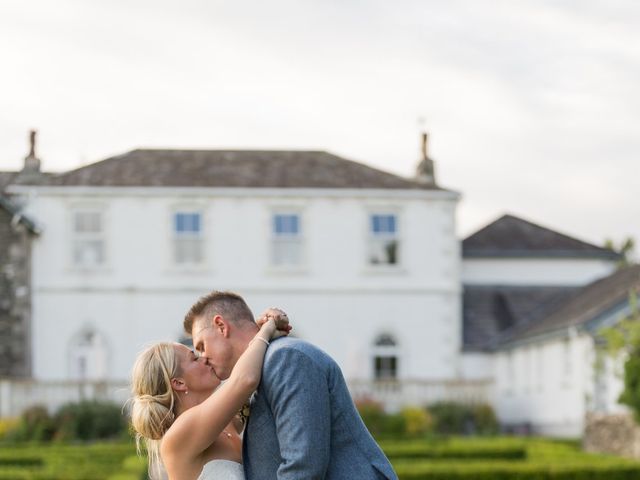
x=585, y=292
x=510, y=235
x=244, y=168
x=557, y=232
x=270, y=150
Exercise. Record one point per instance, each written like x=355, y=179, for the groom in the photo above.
x=303, y=423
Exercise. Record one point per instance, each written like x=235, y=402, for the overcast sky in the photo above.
x=533, y=107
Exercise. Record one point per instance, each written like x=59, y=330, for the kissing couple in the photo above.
x=301, y=424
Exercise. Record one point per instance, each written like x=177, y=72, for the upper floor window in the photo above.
x=187, y=240
x=88, y=238
x=383, y=239
x=286, y=240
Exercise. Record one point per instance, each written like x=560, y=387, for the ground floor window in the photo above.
x=385, y=358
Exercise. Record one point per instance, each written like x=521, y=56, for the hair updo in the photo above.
x=153, y=403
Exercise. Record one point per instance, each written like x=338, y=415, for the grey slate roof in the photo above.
x=6, y=178
x=510, y=236
x=233, y=168
x=585, y=305
x=22, y=177
x=490, y=311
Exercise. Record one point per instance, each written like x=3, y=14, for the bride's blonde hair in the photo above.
x=154, y=401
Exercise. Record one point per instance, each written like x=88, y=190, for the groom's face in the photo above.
x=211, y=340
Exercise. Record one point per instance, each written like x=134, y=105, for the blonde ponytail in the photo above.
x=153, y=403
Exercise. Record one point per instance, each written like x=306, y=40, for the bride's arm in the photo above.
x=198, y=427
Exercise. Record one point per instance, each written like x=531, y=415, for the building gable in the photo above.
x=513, y=237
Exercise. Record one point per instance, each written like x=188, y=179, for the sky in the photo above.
x=532, y=107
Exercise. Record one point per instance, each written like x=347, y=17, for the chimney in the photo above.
x=425, y=171
x=31, y=162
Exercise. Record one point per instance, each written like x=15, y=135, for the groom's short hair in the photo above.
x=229, y=305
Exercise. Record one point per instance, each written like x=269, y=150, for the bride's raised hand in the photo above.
x=280, y=319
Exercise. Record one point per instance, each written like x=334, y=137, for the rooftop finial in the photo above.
x=425, y=171
x=31, y=162
x=32, y=143
x=425, y=136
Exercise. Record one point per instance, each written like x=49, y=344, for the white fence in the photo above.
x=396, y=394
x=18, y=395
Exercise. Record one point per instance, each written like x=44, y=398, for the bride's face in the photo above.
x=197, y=375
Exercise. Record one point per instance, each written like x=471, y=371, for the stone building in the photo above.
x=17, y=233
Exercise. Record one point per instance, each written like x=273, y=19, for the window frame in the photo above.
x=175, y=237
x=372, y=238
x=276, y=240
x=76, y=237
x=390, y=353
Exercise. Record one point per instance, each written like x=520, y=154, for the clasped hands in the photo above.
x=280, y=319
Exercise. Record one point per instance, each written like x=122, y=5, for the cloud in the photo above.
x=533, y=106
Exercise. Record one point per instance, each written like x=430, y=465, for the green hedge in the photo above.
x=543, y=460
x=133, y=468
x=488, y=471
x=523, y=473
x=21, y=461
x=406, y=452
x=71, y=462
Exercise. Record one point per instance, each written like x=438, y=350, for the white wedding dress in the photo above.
x=222, y=470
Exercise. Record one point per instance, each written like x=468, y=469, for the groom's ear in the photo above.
x=221, y=325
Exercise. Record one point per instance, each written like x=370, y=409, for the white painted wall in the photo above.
x=477, y=365
x=534, y=271
x=608, y=384
x=335, y=300
x=546, y=384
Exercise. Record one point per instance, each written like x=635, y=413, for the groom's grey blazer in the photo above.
x=303, y=424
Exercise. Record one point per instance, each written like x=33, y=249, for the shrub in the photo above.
x=452, y=418
x=34, y=424
x=417, y=421
x=89, y=420
x=372, y=414
x=378, y=422
x=484, y=419
x=7, y=425
x=74, y=421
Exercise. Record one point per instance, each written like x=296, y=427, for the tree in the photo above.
x=624, y=339
x=626, y=249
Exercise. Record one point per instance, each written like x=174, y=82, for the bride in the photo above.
x=189, y=425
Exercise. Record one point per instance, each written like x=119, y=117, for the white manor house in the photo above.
x=99, y=261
